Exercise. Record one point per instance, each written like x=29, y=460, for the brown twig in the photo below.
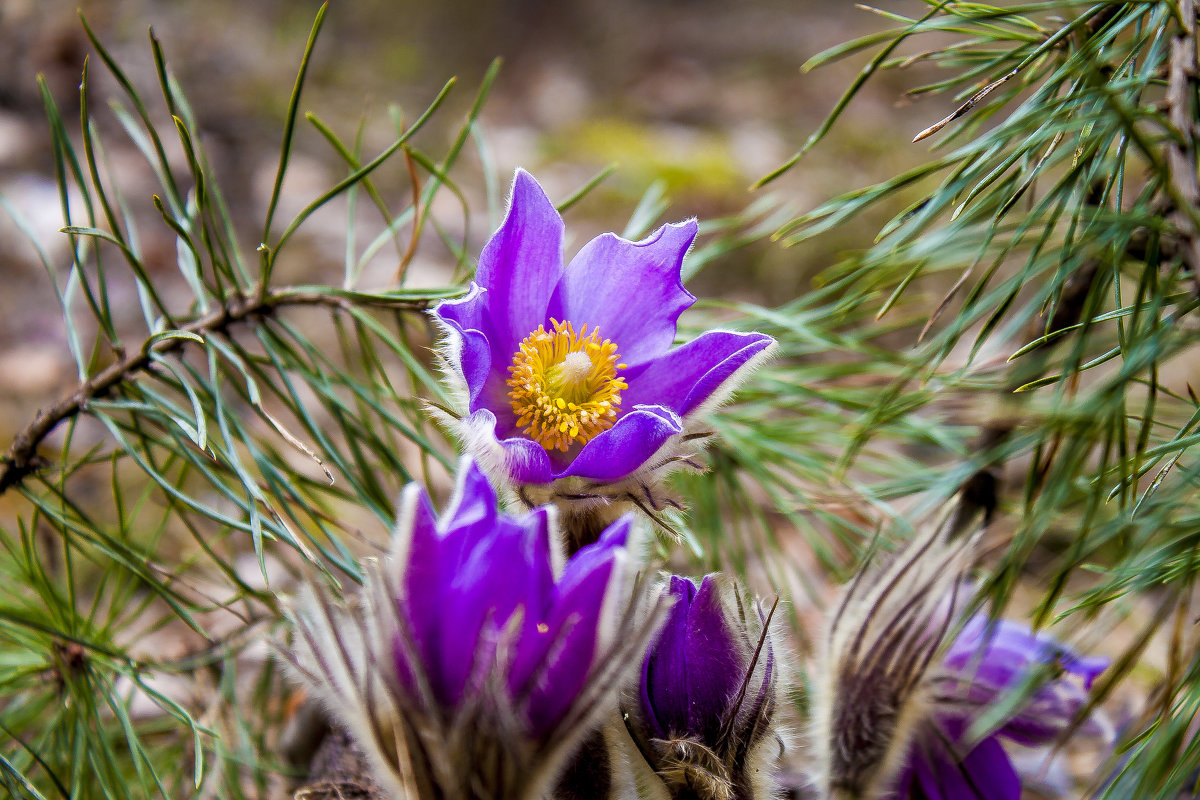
x=22, y=459
x=1181, y=149
x=1102, y=18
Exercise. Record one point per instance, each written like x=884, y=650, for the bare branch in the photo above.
x=22, y=459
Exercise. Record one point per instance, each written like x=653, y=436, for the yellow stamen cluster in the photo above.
x=564, y=386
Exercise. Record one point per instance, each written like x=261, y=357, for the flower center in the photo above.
x=564, y=386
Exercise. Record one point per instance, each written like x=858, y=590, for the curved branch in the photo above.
x=22, y=458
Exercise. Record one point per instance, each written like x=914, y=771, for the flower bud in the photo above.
x=984, y=662
x=705, y=708
x=478, y=661
x=870, y=679
x=897, y=695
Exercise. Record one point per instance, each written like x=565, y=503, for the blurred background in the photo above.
x=702, y=96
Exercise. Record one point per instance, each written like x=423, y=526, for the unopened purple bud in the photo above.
x=706, y=699
x=692, y=672
x=479, y=660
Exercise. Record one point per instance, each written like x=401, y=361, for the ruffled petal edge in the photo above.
x=700, y=375
x=465, y=352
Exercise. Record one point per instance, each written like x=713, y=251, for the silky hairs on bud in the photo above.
x=477, y=660
x=870, y=691
x=704, y=718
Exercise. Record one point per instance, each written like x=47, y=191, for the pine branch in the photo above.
x=22, y=459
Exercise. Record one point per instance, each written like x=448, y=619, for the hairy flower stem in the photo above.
x=22, y=459
x=339, y=770
x=583, y=526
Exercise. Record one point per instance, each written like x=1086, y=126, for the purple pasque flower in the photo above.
x=895, y=696
x=476, y=646
x=706, y=699
x=566, y=375
x=987, y=660
x=479, y=590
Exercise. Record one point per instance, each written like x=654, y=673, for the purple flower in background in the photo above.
x=895, y=697
x=478, y=657
x=706, y=700
x=983, y=663
x=567, y=373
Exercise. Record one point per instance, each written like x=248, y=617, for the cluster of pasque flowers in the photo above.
x=481, y=663
x=519, y=657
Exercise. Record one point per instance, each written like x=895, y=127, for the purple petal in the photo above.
x=421, y=585
x=523, y=460
x=940, y=777
x=996, y=656
x=991, y=773
x=655, y=725
x=597, y=555
x=1086, y=667
x=918, y=776
x=664, y=691
x=714, y=662
x=630, y=290
x=520, y=265
x=1003, y=651
x=473, y=503
x=1046, y=715
x=684, y=378
x=465, y=316
x=567, y=642
x=529, y=650
x=626, y=446
x=986, y=773
x=504, y=570
x=999, y=652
